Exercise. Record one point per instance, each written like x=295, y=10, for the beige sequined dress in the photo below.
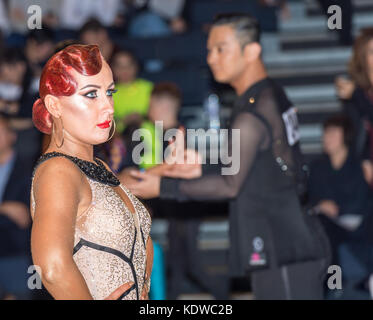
x=110, y=241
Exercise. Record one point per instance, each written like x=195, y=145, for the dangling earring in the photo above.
x=54, y=135
x=112, y=134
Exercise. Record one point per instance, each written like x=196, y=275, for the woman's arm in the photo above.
x=57, y=190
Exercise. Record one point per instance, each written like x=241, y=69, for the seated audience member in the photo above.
x=338, y=188
x=74, y=14
x=93, y=32
x=114, y=153
x=38, y=49
x=152, y=18
x=18, y=13
x=131, y=100
x=356, y=93
x=15, y=182
x=164, y=106
x=16, y=97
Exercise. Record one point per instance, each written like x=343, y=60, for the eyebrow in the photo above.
x=95, y=86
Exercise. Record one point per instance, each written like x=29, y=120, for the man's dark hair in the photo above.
x=41, y=36
x=91, y=25
x=167, y=89
x=343, y=122
x=246, y=26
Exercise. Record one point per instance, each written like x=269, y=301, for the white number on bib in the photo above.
x=291, y=124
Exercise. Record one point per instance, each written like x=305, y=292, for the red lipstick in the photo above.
x=104, y=125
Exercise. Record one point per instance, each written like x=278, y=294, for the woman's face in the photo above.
x=369, y=56
x=333, y=139
x=87, y=114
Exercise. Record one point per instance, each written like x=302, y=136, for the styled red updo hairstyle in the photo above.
x=57, y=81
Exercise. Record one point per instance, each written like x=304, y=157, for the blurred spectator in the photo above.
x=156, y=17
x=4, y=20
x=345, y=34
x=13, y=68
x=38, y=49
x=357, y=96
x=131, y=101
x=338, y=189
x=18, y=14
x=114, y=153
x=93, y=32
x=15, y=177
x=164, y=106
x=18, y=90
x=74, y=14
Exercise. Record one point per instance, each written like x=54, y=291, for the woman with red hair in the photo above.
x=90, y=235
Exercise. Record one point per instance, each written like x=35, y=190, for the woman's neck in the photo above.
x=338, y=158
x=76, y=149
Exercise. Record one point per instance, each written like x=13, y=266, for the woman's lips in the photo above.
x=104, y=125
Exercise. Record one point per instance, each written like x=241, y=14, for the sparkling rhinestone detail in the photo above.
x=97, y=172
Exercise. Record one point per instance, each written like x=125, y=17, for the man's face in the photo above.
x=225, y=55
x=7, y=137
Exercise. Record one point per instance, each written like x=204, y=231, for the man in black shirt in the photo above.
x=271, y=239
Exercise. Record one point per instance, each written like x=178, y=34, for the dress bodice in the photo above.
x=110, y=240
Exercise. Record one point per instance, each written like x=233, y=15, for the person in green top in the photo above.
x=131, y=101
x=164, y=105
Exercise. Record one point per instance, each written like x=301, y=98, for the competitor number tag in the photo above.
x=291, y=124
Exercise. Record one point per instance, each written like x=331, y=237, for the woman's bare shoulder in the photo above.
x=57, y=171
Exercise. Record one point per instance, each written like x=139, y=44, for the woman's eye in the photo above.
x=91, y=94
x=110, y=92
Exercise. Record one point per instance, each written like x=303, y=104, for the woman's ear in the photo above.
x=252, y=51
x=53, y=105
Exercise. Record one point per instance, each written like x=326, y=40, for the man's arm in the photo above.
x=252, y=136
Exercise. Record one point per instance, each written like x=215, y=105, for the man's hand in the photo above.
x=182, y=163
x=118, y=292
x=147, y=186
x=125, y=176
x=17, y=212
x=329, y=208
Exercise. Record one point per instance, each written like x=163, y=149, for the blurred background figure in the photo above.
x=15, y=175
x=93, y=31
x=152, y=18
x=16, y=93
x=356, y=93
x=131, y=101
x=344, y=214
x=73, y=14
